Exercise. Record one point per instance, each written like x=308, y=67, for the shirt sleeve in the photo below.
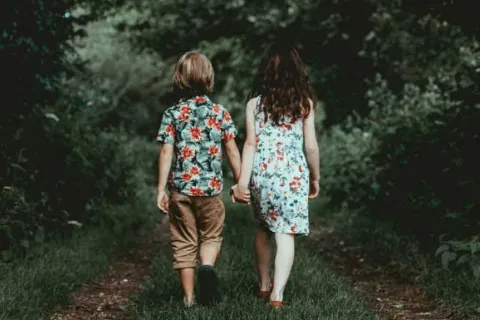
x=229, y=131
x=166, y=133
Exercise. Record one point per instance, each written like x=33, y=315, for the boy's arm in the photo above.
x=233, y=156
x=166, y=136
x=164, y=165
x=229, y=132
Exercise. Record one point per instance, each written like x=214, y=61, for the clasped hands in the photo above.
x=240, y=193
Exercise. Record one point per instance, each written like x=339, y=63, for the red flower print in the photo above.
x=200, y=100
x=227, y=117
x=286, y=126
x=194, y=170
x=272, y=214
x=214, y=150
x=279, y=143
x=293, y=229
x=186, y=177
x=187, y=153
x=257, y=139
x=196, y=134
x=215, y=183
x=183, y=117
x=264, y=166
x=216, y=108
x=300, y=168
x=185, y=109
x=195, y=191
x=213, y=123
x=170, y=129
x=295, y=184
x=228, y=136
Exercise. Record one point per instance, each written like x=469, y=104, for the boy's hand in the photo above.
x=240, y=194
x=314, y=189
x=162, y=201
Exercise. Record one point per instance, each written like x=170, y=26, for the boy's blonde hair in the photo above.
x=193, y=75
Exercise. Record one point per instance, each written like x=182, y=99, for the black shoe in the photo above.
x=209, y=285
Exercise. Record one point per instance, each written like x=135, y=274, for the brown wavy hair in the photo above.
x=283, y=84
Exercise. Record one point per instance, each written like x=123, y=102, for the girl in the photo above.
x=279, y=123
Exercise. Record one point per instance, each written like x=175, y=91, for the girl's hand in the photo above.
x=162, y=201
x=240, y=193
x=314, y=189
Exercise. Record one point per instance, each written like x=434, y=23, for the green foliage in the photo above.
x=413, y=159
x=462, y=253
x=67, y=170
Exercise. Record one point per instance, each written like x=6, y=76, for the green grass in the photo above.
x=31, y=287
x=457, y=288
x=313, y=291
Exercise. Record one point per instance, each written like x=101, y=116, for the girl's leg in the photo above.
x=283, y=263
x=262, y=255
x=187, y=278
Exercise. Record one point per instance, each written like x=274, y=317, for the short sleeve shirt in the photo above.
x=197, y=127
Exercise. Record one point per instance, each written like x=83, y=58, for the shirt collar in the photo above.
x=197, y=99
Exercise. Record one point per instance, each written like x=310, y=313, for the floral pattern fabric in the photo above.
x=280, y=175
x=197, y=127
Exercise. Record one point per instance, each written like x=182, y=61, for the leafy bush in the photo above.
x=66, y=171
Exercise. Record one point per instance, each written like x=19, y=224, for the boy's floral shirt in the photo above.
x=197, y=127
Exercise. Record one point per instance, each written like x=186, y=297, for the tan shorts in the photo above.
x=194, y=220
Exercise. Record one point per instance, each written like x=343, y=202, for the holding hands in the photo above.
x=240, y=193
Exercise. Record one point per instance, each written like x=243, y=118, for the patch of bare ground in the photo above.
x=390, y=294
x=109, y=297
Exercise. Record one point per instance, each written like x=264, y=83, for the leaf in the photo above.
x=25, y=244
x=40, y=234
x=463, y=259
x=447, y=257
x=398, y=305
x=474, y=247
x=6, y=255
x=441, y=249
x=476, y=271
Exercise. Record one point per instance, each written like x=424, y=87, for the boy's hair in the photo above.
x=193, y=75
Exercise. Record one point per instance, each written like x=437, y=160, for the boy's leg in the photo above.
x=262, y=256
x=183, y=232
x=210, y=213
x=283, y=263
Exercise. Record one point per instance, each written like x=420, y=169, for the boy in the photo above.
x=194, y=129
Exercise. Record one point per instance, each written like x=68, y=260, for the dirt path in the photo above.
x=392, y=297
x=108, y=298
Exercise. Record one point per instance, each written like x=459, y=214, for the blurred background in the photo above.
x=85, y=84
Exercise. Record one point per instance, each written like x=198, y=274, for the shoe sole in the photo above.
x=209, y=286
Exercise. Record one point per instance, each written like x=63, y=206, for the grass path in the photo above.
x=313, y=292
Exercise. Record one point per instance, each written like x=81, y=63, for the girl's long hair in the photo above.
x=282, y=82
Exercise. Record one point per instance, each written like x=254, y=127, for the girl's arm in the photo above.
x=312, y=151
x=241, y=191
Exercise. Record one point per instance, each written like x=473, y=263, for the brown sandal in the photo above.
x=265, y=294
x=276, y=304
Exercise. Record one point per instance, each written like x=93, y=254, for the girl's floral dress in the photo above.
x=280, y=176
